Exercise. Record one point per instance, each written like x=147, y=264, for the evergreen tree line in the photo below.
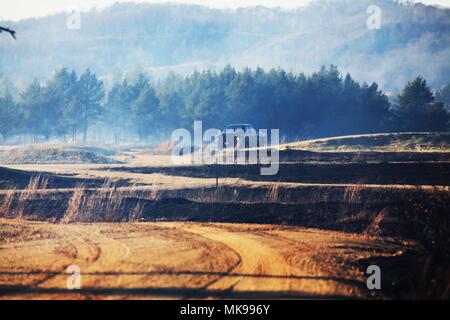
x=69, y=106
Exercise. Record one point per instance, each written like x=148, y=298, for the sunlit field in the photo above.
x=307, y=232
x=225, y=150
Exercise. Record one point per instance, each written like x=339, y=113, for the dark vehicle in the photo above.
x=241, y=136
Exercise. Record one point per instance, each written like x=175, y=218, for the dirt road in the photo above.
x=182, y=260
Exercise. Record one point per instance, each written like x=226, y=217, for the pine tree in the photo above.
x=144, y=109
x=34, y=107
x=60, y=90
x=90, y=93
x=9, y=116
x=416, y=109
x=443, y=95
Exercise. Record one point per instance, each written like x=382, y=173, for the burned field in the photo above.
x=339, y=194
x=383, y=173
x=400, y=199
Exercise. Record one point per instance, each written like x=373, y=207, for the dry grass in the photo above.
x=274, y=193
x=55, y=154
x=105, y=204
x=6, y=205
x=375, y=227
x=14, y=203
x=385, y=142
x=352, y=194
x=75, y=202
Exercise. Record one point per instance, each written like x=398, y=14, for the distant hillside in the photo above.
x=386, y=142
x=414, y=39
x=48, y=154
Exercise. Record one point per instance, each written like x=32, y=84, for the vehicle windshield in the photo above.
x=243, y=127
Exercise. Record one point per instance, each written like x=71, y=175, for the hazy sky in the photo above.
x=19, y=9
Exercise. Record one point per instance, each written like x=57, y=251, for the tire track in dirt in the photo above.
x=58, y=266
x=261, y=268
x=174, y=260
x=286, y=266
x=86, y=254
x=303, y=262
x=95, y=253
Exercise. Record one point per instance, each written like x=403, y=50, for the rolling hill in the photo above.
x=414, y=39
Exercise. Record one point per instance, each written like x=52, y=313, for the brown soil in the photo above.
x=184, y=260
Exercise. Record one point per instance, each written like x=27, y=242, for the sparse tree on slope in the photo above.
x=443, y=96
x=144, y=109
x=34, y=107
x=90, y=93
x=9, y=116
x=417, y=109
x=59, y=92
